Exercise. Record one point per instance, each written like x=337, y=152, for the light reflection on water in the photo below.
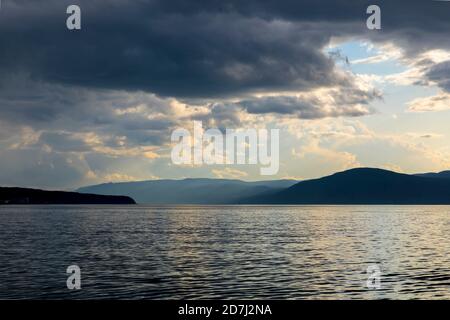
x=243, y=252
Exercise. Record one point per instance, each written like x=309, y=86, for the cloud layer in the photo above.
x=78, y=107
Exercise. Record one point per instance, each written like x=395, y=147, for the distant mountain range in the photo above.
x=189, y=191
x=34, y=196
x=356, y=186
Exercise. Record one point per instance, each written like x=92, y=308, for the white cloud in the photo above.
x=437, y=102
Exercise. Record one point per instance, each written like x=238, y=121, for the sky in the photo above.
x=99, y=104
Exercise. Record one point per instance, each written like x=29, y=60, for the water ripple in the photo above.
x=225, y=252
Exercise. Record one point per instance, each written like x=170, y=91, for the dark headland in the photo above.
x=35, y=196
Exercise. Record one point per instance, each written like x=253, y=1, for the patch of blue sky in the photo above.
x=383, y=68
x=353, y=50
x=392, y=113
x=358, y=50
x=396, y=98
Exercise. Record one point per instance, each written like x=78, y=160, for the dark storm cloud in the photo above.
x=440, y=74
x=202, y=48
x=52, y=77
x=199, y=55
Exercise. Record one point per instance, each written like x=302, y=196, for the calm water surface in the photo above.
x=303, y=252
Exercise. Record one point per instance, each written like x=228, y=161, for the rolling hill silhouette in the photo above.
x=362, y=186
